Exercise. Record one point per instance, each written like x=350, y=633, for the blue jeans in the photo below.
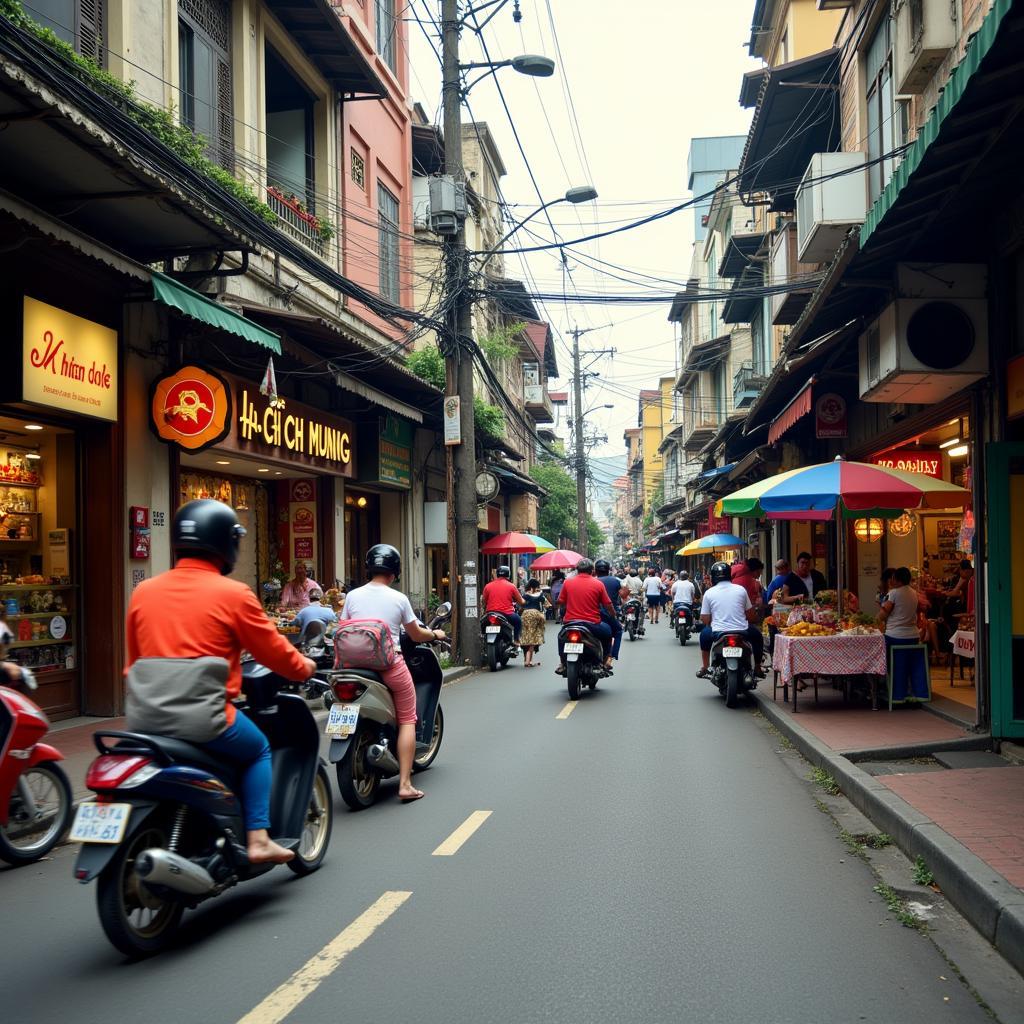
x=517, y=624
x=600, y=629
x=612, y=620
x=909, y=675
x=245, y=744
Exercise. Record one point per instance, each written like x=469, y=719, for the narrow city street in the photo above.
x=643, y=855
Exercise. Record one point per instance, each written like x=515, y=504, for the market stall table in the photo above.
x=835, y=656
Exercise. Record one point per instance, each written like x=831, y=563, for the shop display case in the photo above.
x=19, y=514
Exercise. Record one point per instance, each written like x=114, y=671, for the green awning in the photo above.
x=200, y=307
x=955, y=88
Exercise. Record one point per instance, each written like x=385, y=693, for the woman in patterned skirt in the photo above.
x=534, y=618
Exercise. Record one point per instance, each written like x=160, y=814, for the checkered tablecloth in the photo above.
x=829, y=655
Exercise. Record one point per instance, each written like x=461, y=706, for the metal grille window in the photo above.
x=358, y=169
x=387, y=26
x=882, y=117
x=204, y=67
x=387, y=217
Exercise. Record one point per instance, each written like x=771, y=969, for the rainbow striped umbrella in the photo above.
x=852, y=489
x=712, y=542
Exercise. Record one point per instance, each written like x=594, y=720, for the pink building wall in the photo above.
x=380, y=131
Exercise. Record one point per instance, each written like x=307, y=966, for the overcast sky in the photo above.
x=645, y=77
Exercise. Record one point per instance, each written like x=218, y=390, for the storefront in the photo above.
x=277, y=462
x=59, y=473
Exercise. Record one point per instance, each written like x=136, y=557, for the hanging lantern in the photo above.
x=867, y=531
x=902, y=527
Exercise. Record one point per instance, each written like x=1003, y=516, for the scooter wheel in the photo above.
x=572, y=676
x=316, y=829
x=137, y=922
x=492, y=657
x=426, y=759
x=357, y=781
x=22, y=842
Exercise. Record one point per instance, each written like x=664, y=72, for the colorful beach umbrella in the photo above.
x=712, y=542
x=515, y=544
x=854, y=489
x=560, y=559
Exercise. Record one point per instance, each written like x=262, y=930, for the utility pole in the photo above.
x=464, y=555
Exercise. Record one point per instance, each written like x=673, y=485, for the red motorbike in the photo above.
x=35, y=795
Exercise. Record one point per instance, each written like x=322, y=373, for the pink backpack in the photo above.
x=364, y=643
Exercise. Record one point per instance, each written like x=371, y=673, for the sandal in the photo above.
x=702, y=673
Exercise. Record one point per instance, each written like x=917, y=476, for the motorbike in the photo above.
x=682, y=618
x=362, y=723
x=315, y=644
x=633, y=617
x=584, y=657
x=165, y=831
x=35, y=795
x=499, y=637
x=731, y=667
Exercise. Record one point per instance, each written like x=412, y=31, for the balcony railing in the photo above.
x=293, y=220
x=746, y=386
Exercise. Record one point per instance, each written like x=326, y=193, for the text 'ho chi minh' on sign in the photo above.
x=67, y=362
x=288, y=431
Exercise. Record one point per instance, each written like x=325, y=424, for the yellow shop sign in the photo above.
x=68, y=362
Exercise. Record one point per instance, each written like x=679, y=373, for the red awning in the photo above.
x=799, y=407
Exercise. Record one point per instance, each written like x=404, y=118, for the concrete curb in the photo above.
x=987, y=900
x=453, y=675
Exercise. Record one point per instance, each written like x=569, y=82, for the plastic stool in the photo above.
x=922, y=651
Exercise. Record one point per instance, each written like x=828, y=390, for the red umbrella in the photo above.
x=510, y=544
x=560, y=559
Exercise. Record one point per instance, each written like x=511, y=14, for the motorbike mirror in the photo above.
x=28, y=679
x=444, y=611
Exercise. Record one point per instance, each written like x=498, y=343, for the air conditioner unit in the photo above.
x=832, y=197
x=929, y=342
x=924, y=31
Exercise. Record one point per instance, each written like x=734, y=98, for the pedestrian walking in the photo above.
x=534, y=619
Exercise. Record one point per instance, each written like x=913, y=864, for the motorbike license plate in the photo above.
x=732, y=652
x=100, y=823
x=492, y=629
x=574, y=648
x=341, y=722
x=631, y=617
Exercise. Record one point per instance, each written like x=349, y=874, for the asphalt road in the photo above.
x=648, y=857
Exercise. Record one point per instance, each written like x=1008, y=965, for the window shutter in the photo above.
x=90, y=30
x=225, y=121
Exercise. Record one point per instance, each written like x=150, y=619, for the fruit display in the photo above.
x=825, y=615
x=861, y=631
x=808, y=629
x=966, y=623
x=800, y=613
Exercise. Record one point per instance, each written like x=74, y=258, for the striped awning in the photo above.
x=799, y=407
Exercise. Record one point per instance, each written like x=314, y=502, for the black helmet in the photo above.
x=504, y=572
x=585, y=565
x=719, y=573
x=207, y=528
x=602, y=567
x=384, y=558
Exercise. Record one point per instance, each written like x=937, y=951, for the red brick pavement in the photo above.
x=844, y=727
x=983, y=808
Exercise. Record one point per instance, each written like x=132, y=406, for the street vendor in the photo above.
x=296, y=591
x=804, y=583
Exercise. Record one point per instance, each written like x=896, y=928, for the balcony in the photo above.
x=538, y=403
x=699, y=430
x=295, y=221
x=787, y=306
x=746, y=386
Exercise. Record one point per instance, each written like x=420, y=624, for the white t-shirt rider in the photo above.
x=727, y=604
x=683, y=592
x=377, y=601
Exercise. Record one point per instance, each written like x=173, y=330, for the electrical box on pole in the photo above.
x=448, y=209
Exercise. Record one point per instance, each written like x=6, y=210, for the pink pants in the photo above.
x=398, y=680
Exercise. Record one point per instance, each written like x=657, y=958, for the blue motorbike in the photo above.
x=165, y=831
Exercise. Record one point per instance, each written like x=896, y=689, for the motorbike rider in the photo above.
x=195, y=611
x=727, y=608
x=633, y=585
x=502, y=595
x=584, y=598
x=379, y=600
x=683, y=592
x=613, y=586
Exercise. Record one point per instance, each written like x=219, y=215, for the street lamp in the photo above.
x=575, y=195
x=530, y=64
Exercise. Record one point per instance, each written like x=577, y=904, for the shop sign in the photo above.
x=395, y=452
x=912, y=460
x=718, y=524
x=452, y=420
x=289, y=431
x=303, y=547
x=830, y=416
x=68, y=362
x=190, y=408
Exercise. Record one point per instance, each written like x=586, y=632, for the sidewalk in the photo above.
x=936, y=788
x=73, y=738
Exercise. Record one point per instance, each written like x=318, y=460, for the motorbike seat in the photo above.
x=361, y=673
x=182, y=752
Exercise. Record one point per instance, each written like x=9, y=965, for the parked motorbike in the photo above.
x=633, y=617
x=165, y=831
x=682, y=618
x=732, y=667
x=35, y=796
x=584, y=657
x=499, y=639
x=362, y=723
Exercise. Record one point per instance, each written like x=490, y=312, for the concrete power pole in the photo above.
x=582, y=533
x=464, y=569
